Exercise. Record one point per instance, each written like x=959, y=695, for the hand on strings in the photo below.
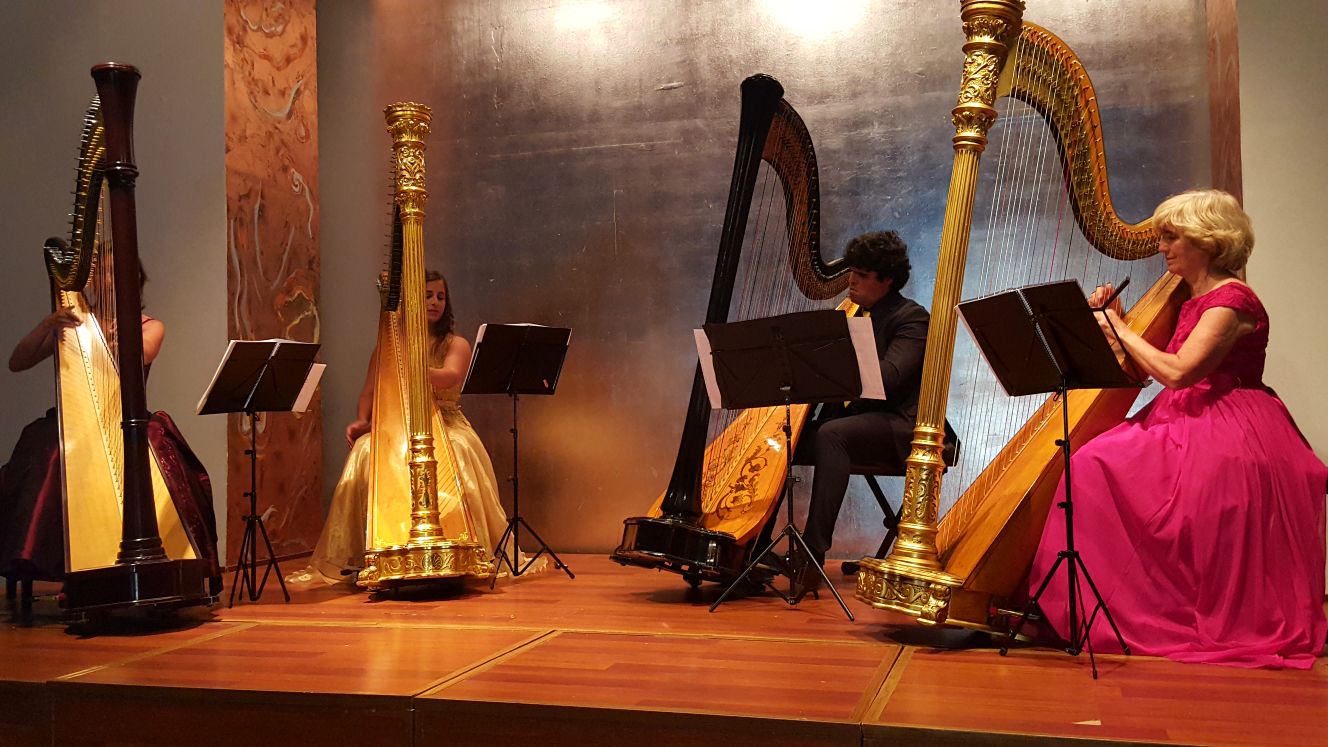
x=355, y=430
x=59, y=320
x=1110, y=322
x=1100, y=295
x=39, y=344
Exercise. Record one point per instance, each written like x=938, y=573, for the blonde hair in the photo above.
x=1214, y=221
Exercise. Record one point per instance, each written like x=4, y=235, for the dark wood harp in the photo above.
x=727, y=477
x=146, y=571
x=965, y=570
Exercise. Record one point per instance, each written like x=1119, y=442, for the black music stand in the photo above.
x=515, y=359
x=260, y=376
x=802, y=358
x=1040, y=339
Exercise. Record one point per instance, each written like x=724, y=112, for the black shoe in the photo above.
x=754, y=582
x=807, y=578
x=772, y=565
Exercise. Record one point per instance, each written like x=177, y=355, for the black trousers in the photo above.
x=833, y=445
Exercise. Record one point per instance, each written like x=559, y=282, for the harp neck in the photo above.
x=1048, y=76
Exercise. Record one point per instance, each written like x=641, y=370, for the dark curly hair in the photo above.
x=440, y=329
x=882, y=252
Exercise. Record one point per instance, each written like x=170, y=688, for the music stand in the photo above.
x=260, y=376
x=1042, y=339
x=516, y=359
x=801, y=358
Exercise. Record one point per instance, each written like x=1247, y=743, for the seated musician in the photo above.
x=1202, y=516
x=866, y=432
x=32, y=532
x=341, y=546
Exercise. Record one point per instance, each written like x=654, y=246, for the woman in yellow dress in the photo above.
x=341, y=546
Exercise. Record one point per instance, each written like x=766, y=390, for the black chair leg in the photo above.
x=891, y=521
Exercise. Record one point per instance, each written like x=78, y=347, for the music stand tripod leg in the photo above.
x=516, y=521
x=271, y=563
x=796, y=542
x=241, y=578
x=820, y=569
x=500, y=554
x=543, y=548
x=246, y=570
x=750, y=566
x=1077, y=636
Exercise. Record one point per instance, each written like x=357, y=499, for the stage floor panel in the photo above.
x=616, y=655
x=1136, y=699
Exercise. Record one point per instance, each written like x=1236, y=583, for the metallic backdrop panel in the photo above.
x=580, y=162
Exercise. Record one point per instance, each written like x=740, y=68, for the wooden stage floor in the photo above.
x=616, y=656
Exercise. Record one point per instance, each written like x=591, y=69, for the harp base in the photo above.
x=672, y=544
x=920, y=593
x=398, y=565
x=158, y=583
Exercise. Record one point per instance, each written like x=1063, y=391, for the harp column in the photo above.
x=408, y=123
x=911, y=580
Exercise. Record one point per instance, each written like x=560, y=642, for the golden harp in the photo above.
x=966, y=570
x=417, y=529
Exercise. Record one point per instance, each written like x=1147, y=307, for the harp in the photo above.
x=964, y=570
x=730, y=470
x=125, y=543
x=417, y=529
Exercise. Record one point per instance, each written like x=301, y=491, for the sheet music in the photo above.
x=707, y=367
x=224, y=357
x=869, y=363
x=247, y=387
x=310, y=385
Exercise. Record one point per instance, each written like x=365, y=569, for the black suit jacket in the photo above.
x=899, y=326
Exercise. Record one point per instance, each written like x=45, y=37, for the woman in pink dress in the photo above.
x=1201, y=518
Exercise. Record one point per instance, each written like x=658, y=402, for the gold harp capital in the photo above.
x=408, y=124
x=989, y=25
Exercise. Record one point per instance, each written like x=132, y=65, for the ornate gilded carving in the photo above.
x=408, y=124
x=981, y=71
x=986, y=28
x=390, y=566
x=927, y=600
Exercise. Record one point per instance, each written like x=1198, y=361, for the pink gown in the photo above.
x=1201, y=518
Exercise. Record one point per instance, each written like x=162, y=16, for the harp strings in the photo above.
x=1030, y=236
x=766, y=286
x=102, y=325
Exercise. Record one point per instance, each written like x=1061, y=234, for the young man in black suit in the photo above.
x=877, y=433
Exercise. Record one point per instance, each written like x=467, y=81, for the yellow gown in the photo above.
x=340, y=549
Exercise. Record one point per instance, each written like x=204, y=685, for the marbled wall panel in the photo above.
x=273, y=250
